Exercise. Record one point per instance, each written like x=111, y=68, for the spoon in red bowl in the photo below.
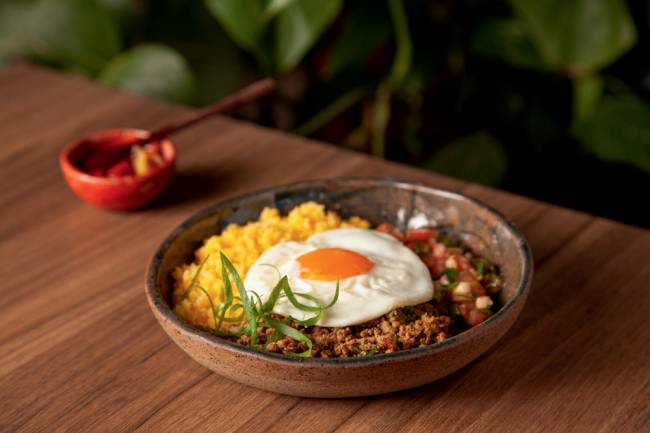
x=125, y=169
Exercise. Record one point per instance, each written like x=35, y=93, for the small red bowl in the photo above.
x=118, y=193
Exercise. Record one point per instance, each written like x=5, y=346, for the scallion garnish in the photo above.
x=481, y=265
x=452, y=275
x=194, y=278
x=257, y=313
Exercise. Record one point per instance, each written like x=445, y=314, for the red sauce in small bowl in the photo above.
x=105, y=170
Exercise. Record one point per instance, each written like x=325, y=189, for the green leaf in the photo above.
x=478, y=158
x=646, y=82
x=364, y=31
x=152, y=70
x=587, y=92
x=507, y=39
x=215, y=313
x=381, y=110
x=274, y=7
x=580, y=35
x=402, y=60
x=618, y=131
x=121, y=10
x=241, y=19
x=333, y=109
x=299, y=26
x=73, y=33
x=76, y=34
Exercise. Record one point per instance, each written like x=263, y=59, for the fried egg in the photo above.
x=376, y=274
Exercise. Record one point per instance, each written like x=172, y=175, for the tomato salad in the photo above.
x=464, y=283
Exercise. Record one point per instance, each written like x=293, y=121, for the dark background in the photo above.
x=546, y=98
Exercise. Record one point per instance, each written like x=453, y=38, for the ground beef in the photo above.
x=401, y=329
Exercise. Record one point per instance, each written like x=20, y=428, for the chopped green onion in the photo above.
x=336, y=295
x=481, y=265
x=194, y=278
x=255, y=312
x=214, y=310
x=452, y=274
x=294, y=301
x=293, y=333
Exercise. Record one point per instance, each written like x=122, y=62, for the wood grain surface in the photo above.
x=80, y=350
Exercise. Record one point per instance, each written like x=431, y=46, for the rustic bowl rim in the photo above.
x=158, y=303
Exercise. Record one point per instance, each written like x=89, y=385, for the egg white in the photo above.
x=397, y=279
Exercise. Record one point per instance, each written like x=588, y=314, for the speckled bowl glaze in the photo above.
x=404, y=204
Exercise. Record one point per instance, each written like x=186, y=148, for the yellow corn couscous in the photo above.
x=243, y=244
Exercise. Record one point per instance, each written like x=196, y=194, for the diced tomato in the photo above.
x=421, y=235
x=435, y=265
x=465, y=307
x=478, y=290
x=429, y=260
x=466, y=276
x=437, y=259
x=419, y=247
x=439, y=250
x=462, y=262
x=475, y=317
x=122, y=168
x=469, y=277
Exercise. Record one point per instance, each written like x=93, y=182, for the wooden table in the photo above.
x=80, y=350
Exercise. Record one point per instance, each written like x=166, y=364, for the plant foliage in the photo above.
x=472, y=88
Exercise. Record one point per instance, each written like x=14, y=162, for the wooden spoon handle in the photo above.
x=230, y=102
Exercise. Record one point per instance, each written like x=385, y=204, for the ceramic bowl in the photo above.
x=403, y=204
x=117, y=193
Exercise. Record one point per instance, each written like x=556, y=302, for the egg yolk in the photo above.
x=331, y=264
